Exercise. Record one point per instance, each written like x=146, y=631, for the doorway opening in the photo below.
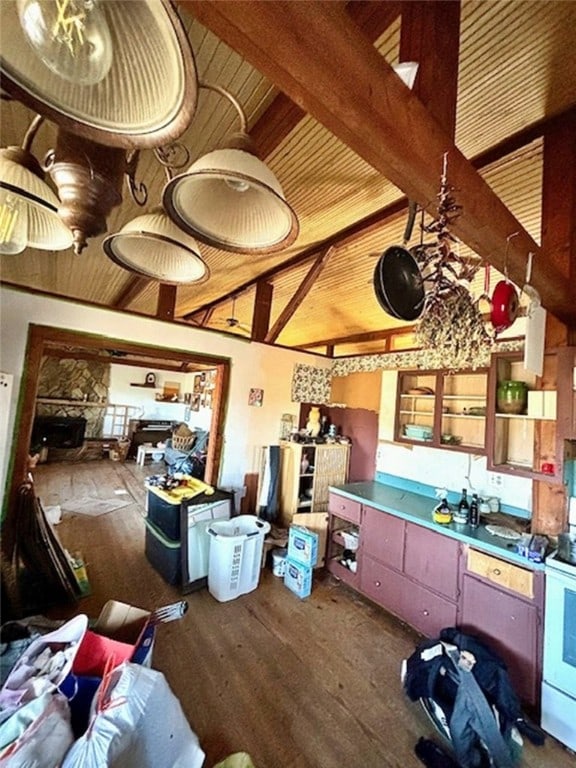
x=148, y=362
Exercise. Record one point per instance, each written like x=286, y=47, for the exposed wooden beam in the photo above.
x=166, y=305
x=283, y=115
x=262, y=310
x=299, y=295
x=430, y=35
x=363, y=99
x=360, y=338
x=559, y=199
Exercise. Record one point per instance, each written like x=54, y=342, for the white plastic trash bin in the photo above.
x=235, y=555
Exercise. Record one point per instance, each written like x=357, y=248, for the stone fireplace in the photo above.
x=71, y=392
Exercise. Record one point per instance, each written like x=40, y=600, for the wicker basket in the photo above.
x=183, y=442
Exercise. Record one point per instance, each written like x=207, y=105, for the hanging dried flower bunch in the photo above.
x=451, y=330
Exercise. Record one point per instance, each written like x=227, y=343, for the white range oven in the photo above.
x=559, y=684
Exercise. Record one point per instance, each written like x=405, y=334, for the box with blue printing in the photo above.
x=298, y=578
x=302, y=545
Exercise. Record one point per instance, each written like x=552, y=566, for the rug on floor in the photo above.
x=94, y=507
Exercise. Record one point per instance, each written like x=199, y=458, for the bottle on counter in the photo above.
x=462, y=513
x=442, y=513
x=474, y=511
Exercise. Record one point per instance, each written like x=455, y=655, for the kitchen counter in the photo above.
x=417, y=508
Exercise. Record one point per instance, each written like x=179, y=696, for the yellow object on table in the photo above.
x=190, y=487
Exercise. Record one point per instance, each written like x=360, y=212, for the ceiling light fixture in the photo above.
x=151, y=244
x=230, y=199
x=119, y=73
x=28, y=207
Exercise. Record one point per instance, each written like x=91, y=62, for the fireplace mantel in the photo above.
x=75, y=403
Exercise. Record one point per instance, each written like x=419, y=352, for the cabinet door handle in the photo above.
x=425, y=612
x=377, y=583
x=497, y=572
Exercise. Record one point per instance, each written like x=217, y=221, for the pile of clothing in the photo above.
x=464, y=687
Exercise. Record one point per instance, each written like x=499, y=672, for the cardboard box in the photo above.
x=302, y=545
x=298, y=578
x=128, y=624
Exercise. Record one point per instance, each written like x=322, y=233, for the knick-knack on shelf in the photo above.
x=313, y=424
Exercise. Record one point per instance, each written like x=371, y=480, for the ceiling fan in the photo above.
x=232, y=322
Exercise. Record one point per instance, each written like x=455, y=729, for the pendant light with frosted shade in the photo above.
x=151, y=244
x=117, y=72
x=230, y=199
x=28, y=206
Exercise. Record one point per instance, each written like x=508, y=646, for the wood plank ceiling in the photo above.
x=348, y=141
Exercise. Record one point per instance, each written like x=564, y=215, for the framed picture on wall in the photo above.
x=256, y=397
x=195, y=403
x=197, y=384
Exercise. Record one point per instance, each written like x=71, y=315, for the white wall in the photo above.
x=121, y=392
x=452, y=470
x=247, y=427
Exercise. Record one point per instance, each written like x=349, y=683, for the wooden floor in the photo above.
x=296, y=683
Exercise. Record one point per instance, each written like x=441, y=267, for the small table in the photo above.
x=148, y=450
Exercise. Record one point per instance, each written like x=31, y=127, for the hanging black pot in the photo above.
x=398, y=283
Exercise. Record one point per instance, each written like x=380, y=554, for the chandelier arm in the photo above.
x=232, y=99
x=138, y=190
x=30, y=134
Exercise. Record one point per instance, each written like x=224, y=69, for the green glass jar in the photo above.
x=512, y=396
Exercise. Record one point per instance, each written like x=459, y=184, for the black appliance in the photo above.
x=58, y=432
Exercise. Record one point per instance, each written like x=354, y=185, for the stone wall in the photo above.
x=79, y=382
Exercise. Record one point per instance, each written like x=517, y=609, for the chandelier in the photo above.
x=118, y=77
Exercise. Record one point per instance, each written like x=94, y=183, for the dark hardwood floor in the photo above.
x=296, y=683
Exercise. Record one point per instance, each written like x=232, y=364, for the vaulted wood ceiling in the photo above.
x=496, y=91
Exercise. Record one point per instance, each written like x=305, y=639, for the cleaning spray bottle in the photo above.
x=442, y=513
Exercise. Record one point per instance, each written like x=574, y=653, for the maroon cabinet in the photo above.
x=432, y=560
x=344, y=517
x=383, y=537
x=383, y=585
x=432, y=581
x=502, y=603
x=409, y=570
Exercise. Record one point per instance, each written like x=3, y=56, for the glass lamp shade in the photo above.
x=231, y=200
x=142, y=95
x=153, y=246
x=26, y=194
x=72, y=40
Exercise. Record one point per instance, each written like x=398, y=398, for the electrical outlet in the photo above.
x=494, y=480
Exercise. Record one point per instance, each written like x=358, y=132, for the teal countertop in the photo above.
x=417, y=508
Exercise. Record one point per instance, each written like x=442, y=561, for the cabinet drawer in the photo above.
x=384, y=586
x=432, y=559
x=513, y=577
x=428, y=612
x=423, y=610
x=383, y=537
x=344, y=508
